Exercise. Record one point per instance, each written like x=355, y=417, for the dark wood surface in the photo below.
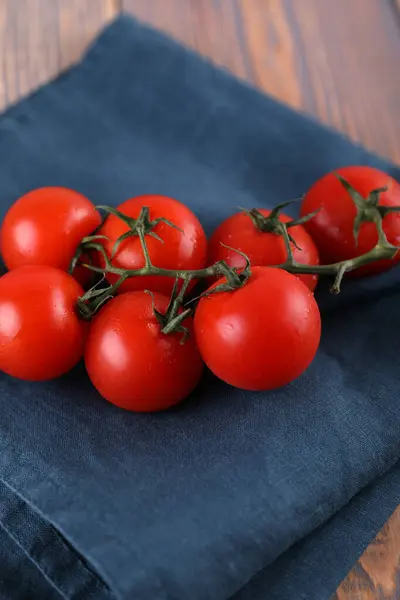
x=335, y=59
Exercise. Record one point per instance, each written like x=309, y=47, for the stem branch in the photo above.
x=235, y=278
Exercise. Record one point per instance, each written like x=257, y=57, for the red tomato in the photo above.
x=45, y=227
x=332, y=227
x=132, y=363
x=261, y=336
x=187, y=250
x=84, y=276
x=41, y=335
x=263, y=249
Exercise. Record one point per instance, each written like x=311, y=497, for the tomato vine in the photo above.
x=368, y=210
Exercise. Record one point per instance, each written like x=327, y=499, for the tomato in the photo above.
x=45, y=227
x=261, y=336
x=41, y=335
x=185, y=249
x=132, y=363
x=332, y=227
x=84, y=276
x=263, y=249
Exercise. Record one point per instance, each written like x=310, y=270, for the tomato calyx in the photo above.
x=140, y=227
x=235, y=278
x=382, y=250
x=368, y=209
x=80, y=251
x=172, y=320
x=272, y=223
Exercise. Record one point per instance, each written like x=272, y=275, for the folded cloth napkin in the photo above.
x=232, y=494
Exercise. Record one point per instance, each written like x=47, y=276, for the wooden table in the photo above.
x=336, y=59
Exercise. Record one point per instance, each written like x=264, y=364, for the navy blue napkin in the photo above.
x=232, y=494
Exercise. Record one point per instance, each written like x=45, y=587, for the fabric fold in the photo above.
x=56, y=561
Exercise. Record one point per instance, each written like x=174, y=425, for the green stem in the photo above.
x=235, y=278
x=219, y=269
x=380, y=252
x=152, y=271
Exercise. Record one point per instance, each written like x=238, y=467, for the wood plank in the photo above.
x=316, y=55
x=210, y=27
x=39, y=38
x=352, y=67
x=251, y=39
x=376, y=575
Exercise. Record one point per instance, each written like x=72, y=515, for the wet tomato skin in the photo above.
x=41, y=334
x=132, y=363
x=261, y=336
x=45, y=227
x=184, y=248
x=263, y=249
x=332, y=226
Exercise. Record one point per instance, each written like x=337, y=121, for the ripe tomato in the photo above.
x=45, y=227
x=261, y=336
x=186, y=249
x=84, y=276
x=263, y=249
x=332, y=227
x=132, y=363
x=41, y=335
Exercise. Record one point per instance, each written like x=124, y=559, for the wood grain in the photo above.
x=376, y=576
x=351, y=64
x=336, y=60
x=40, y=38
x=316, y=55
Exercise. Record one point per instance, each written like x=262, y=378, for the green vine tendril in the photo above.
x=368, y=210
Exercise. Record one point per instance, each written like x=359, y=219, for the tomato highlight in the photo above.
x=132, y=363
x=45, y=227
x=175, y=240
x=262, y=336
x=41, y=334
x=263, y=248
x=332, y=229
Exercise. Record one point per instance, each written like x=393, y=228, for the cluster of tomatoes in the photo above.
x=258, y=335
